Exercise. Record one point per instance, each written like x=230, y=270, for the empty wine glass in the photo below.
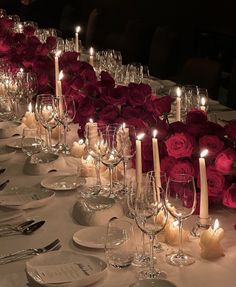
x=31, y=142
x=151, y=217
x=46, y=114
x=29, y=85
x=180, y=201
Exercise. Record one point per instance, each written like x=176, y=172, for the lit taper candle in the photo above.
x=203, y=187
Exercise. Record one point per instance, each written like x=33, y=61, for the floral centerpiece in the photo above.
x=105, y=102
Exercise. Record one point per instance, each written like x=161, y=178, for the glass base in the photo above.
x=141, y=260
x=160, y=247
x=151, y=274
x=182, y=259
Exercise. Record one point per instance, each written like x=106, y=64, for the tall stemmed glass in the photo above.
x=30, y=85
x=96, y=147
x=180, y=201
x=46, y=114
x=31, y=142
x=151, y=217
x=112, y=156
x=65, y=114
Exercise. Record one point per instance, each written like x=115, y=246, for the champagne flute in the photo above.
x=179, y=189
x=151, y=217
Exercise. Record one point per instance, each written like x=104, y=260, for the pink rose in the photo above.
x=179, y=145
x=188, y=201
x=196, y=117
x=224, y=161
x=212, y=143
x=138, y=94
x=181, y=167
x=229, y=197
x=230, y=129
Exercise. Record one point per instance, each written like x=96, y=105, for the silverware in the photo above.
x=4, y=184
x=21, y=254
x=2, y=170
x=16, y=227
x=25, y=230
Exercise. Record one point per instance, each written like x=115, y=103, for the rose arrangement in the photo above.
x=180, y=143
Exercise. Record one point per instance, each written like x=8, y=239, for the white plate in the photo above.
x=153, y=283
x=6, y=153
x=25, y=197
x=9, y=129
x=63, y=182
x=41, y=268
x=92, y=237
x=15, y=143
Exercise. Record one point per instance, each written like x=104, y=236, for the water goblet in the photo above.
x=180, y=201
x=151, y=216
x=31, y=142
x=119, y=243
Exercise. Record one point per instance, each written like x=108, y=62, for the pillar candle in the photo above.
x=203, y=187
x=178, y=104
x=210, y=241
x=77, y=30
x=139, y=161
x=29, y=118
x=78, y=149
x=156, y=163
x=203, y=104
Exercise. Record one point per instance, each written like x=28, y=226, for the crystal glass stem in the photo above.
x=125, y=164
x=180, y=251
x=152, y=269
x=97, y=168
x=110, y=179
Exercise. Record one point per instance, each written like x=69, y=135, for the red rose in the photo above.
x=224, y=161
x=29, y=30
x=159, y=105
x=139, y=124
x=109, y=113
x=188, y=201
x=181, y=167
x=196, y=117
x=177, y=127
x=215, y=183
x=230, y=129
x=212, y=143
x=106, y=80
x=115, y=96
x=6, y=23
x=166, y=164
x=130, y=112
x=229, y=197
x=179, y=145
x=51, y=43
x=138, y=94
x=86, y=108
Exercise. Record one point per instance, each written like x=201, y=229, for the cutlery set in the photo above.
x=25, y=253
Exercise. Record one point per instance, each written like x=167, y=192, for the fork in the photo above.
x=11, y=257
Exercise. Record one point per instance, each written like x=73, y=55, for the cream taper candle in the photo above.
x=156, y=163
x=91, y=55
x=77, y=30
x=57, y=55
x=139, y=160
x=178, y=104
x=203, y=188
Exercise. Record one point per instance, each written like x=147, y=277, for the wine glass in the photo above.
x=112, y=154
x=96, y=147
x=30, y=85
x=46, y=114
x=151, y=217
x=180, y=201
x=65, y=114
x=202, y=99
x=31, y=142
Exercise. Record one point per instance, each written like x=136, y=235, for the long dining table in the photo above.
x=60, y=223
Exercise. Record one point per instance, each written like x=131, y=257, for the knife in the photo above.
x=4, y=184
x=2, y=170
x=30, y=229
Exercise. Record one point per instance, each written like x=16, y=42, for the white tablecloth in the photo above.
x=60, y=224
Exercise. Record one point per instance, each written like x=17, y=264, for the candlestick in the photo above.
x=139, y=161
x=156, y=163
x=29, y=118
x=203, y=188
x=210, y=241
x=77, y=30
x=178, y=104
x=91, y=55
x=57, y=55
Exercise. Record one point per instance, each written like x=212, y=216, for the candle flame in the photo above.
x=216, y=225
x=175, y=223
x=178, y=92
x=58, y=53
x=91, y=51
x=91, y=120
x=154, y=133
x=21, y=70
x=77, y=29
x=61, y=75
x=89, y=158
x=81, y=141
x=30, y=107
x=123, y=125
x=204, y=153
x=203, y=101
x=140, y=136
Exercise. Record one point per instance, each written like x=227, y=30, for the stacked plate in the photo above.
x=64, y=268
